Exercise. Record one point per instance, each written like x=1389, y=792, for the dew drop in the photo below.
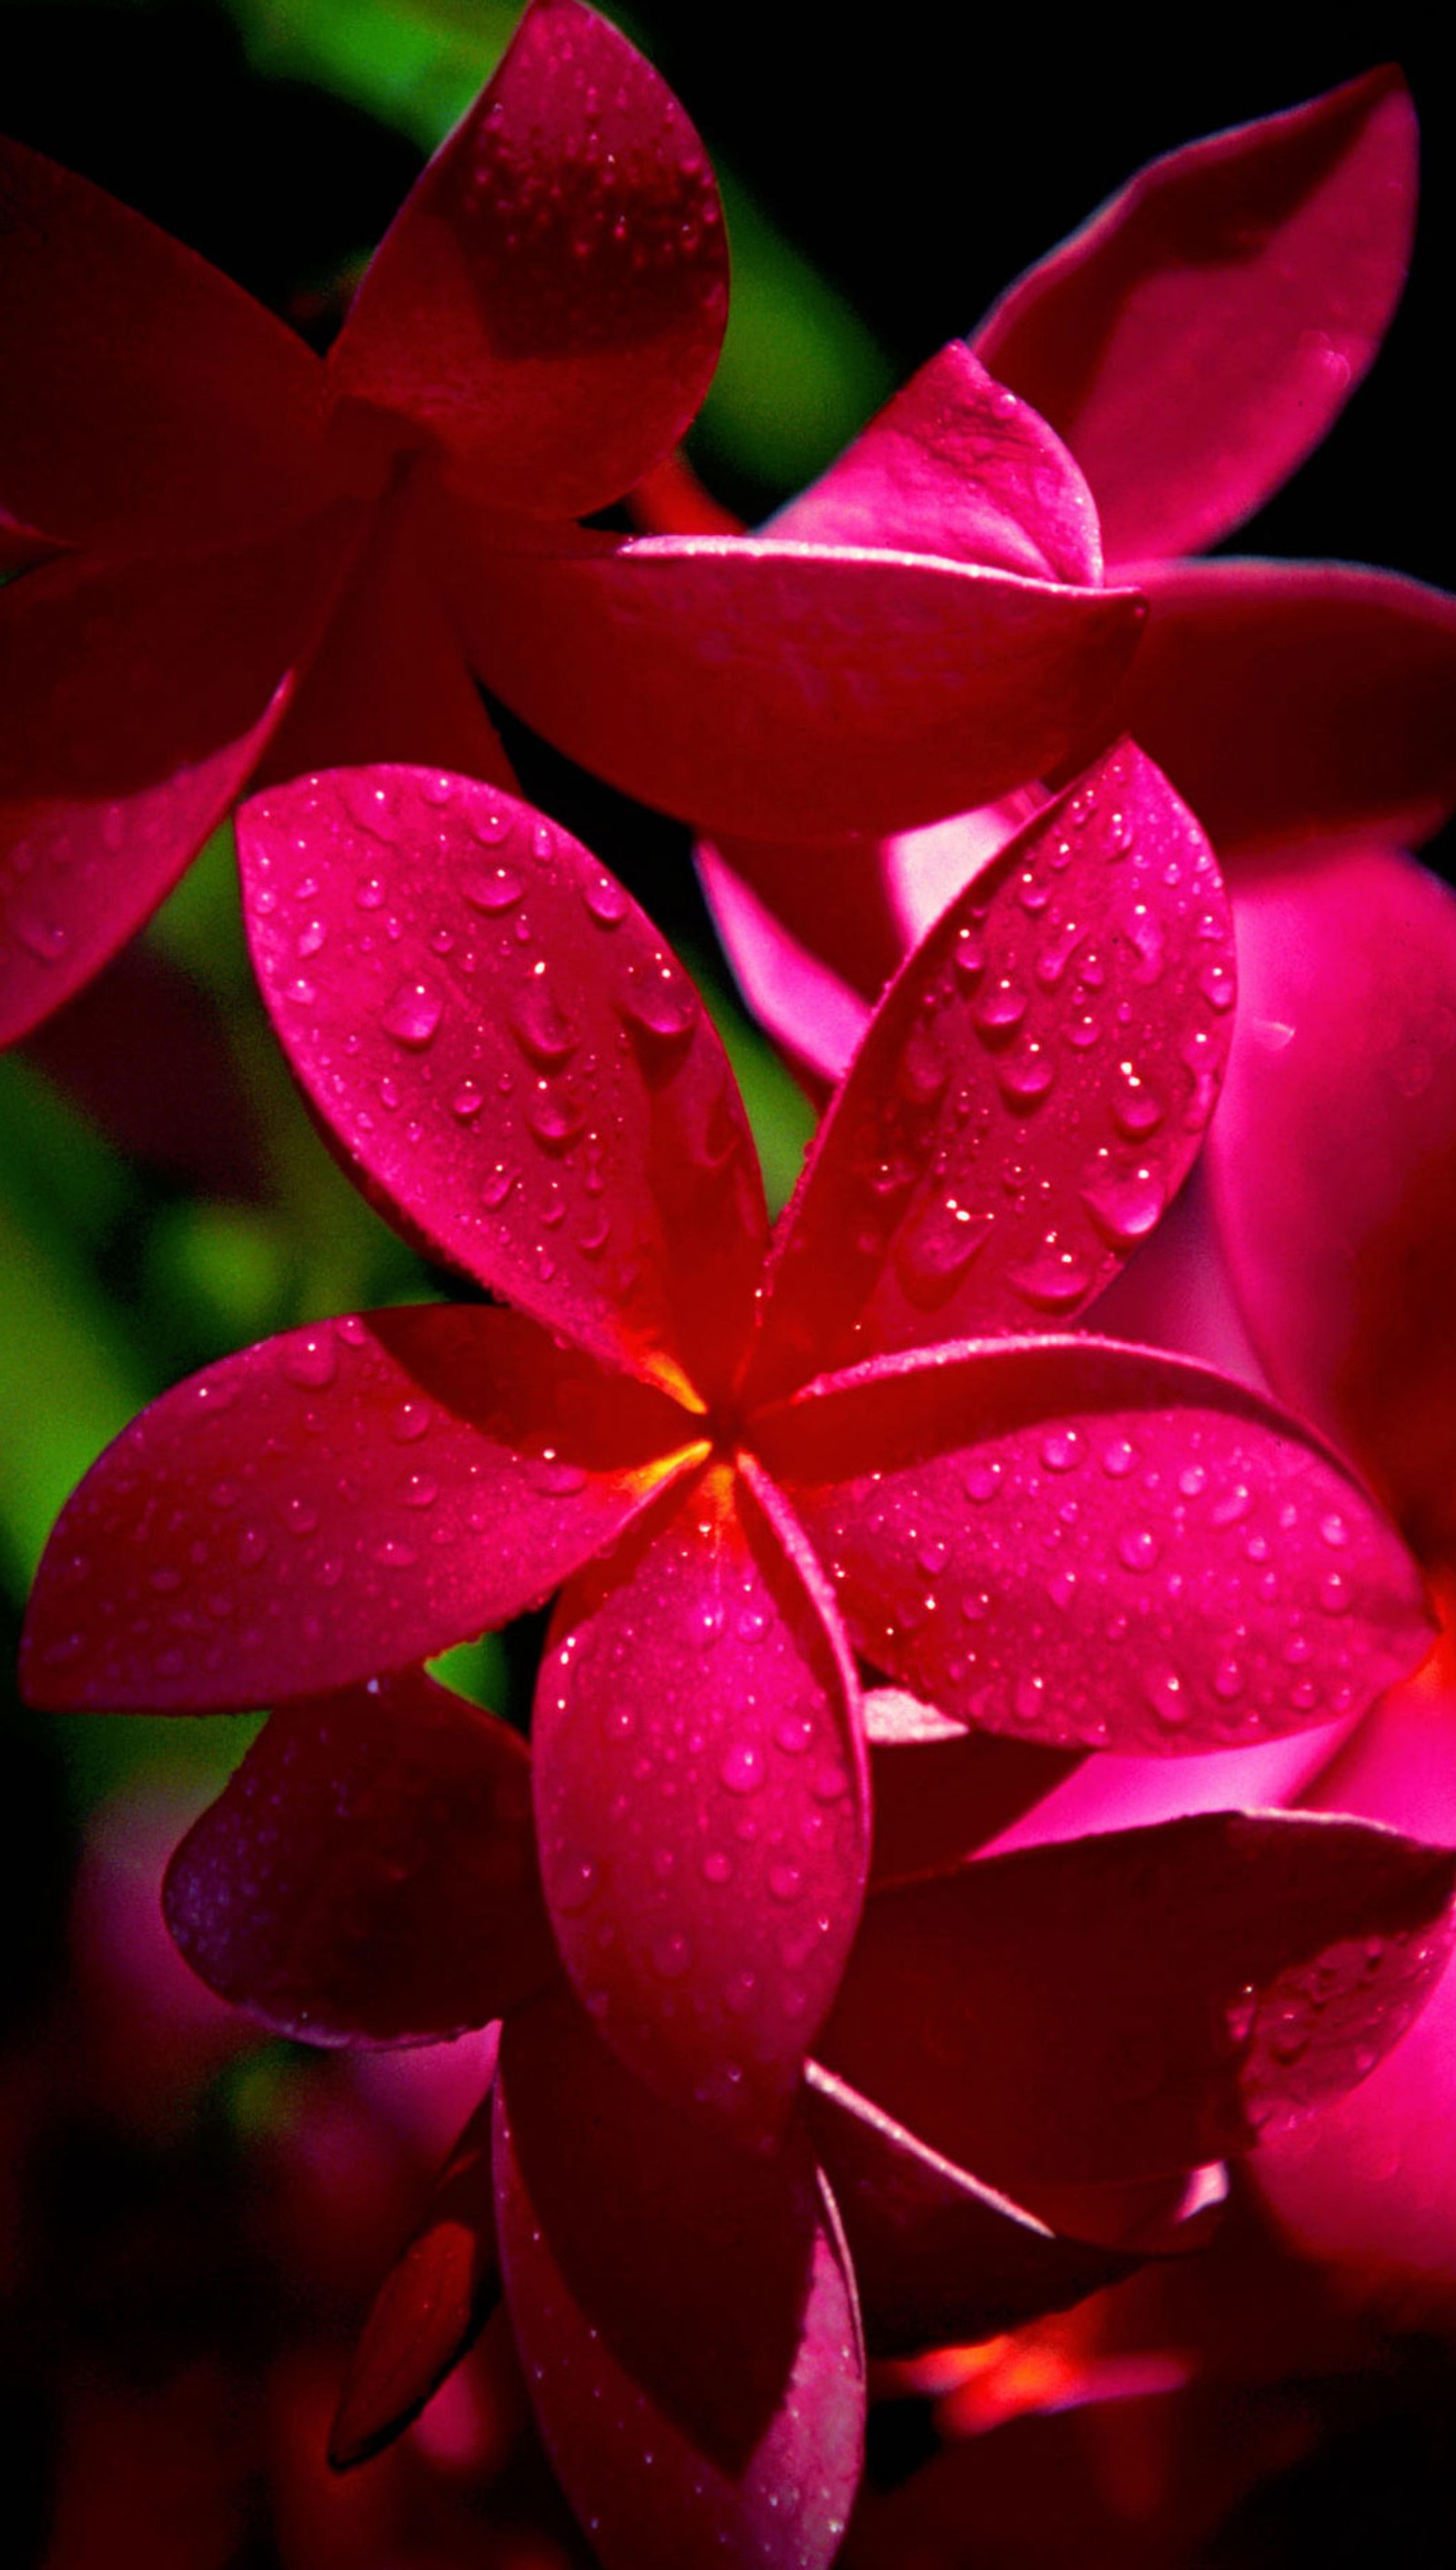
x=999, y=1009
x=312, y=1361
x=541, y=1030
x=576, y=1880
x=467, y=1101
x=743, y=1767
x=1025, y=1078
x=1053, y=1280
x=409, y=1422
x=604, y=899
x=1138, y=1547
x=672, y=1957
x=413, y=1015
x=492, y=889
x=1125, y=1205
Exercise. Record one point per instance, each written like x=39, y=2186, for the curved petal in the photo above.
x=1334, y=1165
x=1297, y=700
x=786, y=691
x=137, y=697
x=370, y=1873
x=701, y=1803
x=1141, y=2002
x=956, y=465
x=938, y=2257
x=1096, y=1547
x=153, y=402
x=812, y=1012
x=1201, y=332
x=683, y=2311
x=550, y=300
x=504, y=1049
x=432, y=2307
x=1027, y=1095
x=334, y=1504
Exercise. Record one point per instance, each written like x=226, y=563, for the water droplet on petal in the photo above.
x=743, y=1767
x=1125, y=1204
x=493, y=889
x=311, y=1362
x=413, y=1015
x=1052, y=1279
x=606, y=900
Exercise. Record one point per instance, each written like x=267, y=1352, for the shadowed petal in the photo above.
x=137, y=699
x=956, y=465
x=1028, y=1094
x=1290, y=700
x=700, y=1800
x=1096, y=1547
x=507, y=1054
x=683, y=2311
x=786, y=690
x=368, y=1874
x=148, y=398
x=1198, y=337
x=432, y=2305
x=938, y=2256
x=334, y=1504
x=813, y=1013
x=1334, y=1175
x=550, y=300
x=1143, y=2001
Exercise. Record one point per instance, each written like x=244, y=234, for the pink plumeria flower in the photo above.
x=241, y=559
x=982, y=2140
x=1188, y=345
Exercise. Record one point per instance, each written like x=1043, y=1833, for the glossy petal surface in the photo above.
x=431, y=2305
x=938, y=2257
x=1029, y=1093
x=1294, y=701
x=1334, y=1175
x=789, y=692
x=956, y=465
x=155, y=400
x=137, y=701
x=368, y=1873
x=1198, y=337
x=1096, y=1547
x=1143, y=2001
x=701, y=1805
x=693, y=2356
x=549, y=299
x=334, y=1504
x=813, y=1013
x=511, y=1059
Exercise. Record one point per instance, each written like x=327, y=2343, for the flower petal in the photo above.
x=505, y=1050
x=701, y=1803
x=550, y=300
x=334, y=1504
x=1290, y=700
x=1201, y=332
x=156, y=402
x=1028, y=1094
x=956, y=465
x=938, y=2257
x=807, y=1006
x=1096, y=1547
x=683, y=2311
x=138, y=699
x=368, y=1874
x=786, y=690
x=1141, y=2002
x=1334, y=1175
x=432, y=2307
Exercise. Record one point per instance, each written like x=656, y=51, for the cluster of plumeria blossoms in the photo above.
x=243, y=560
x=769, y=2090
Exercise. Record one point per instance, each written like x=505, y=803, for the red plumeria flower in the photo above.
x=1085, y=2024
x=1191, y=345
x=244, y=557
x=746, y=1463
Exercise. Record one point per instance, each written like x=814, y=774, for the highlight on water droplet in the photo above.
x=413, y=1015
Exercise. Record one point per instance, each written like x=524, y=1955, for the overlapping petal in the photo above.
x=701, y=1803
x=336, y=1503
x=155, y=402
x=549, y=299
x=1141, y=2002
x=1029, y=1094
x=956, y=465
x=1297, y=700
x=789, y=690
x=938, y=2257
x=1096, y=1547
x=137, y=699
x=1200, y=333
x=369, y=1872
x=1334, y=1175
x=507, y=1051
x=695, y=2353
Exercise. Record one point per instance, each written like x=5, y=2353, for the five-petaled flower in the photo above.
x=239, y=557
x=747, y=1462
